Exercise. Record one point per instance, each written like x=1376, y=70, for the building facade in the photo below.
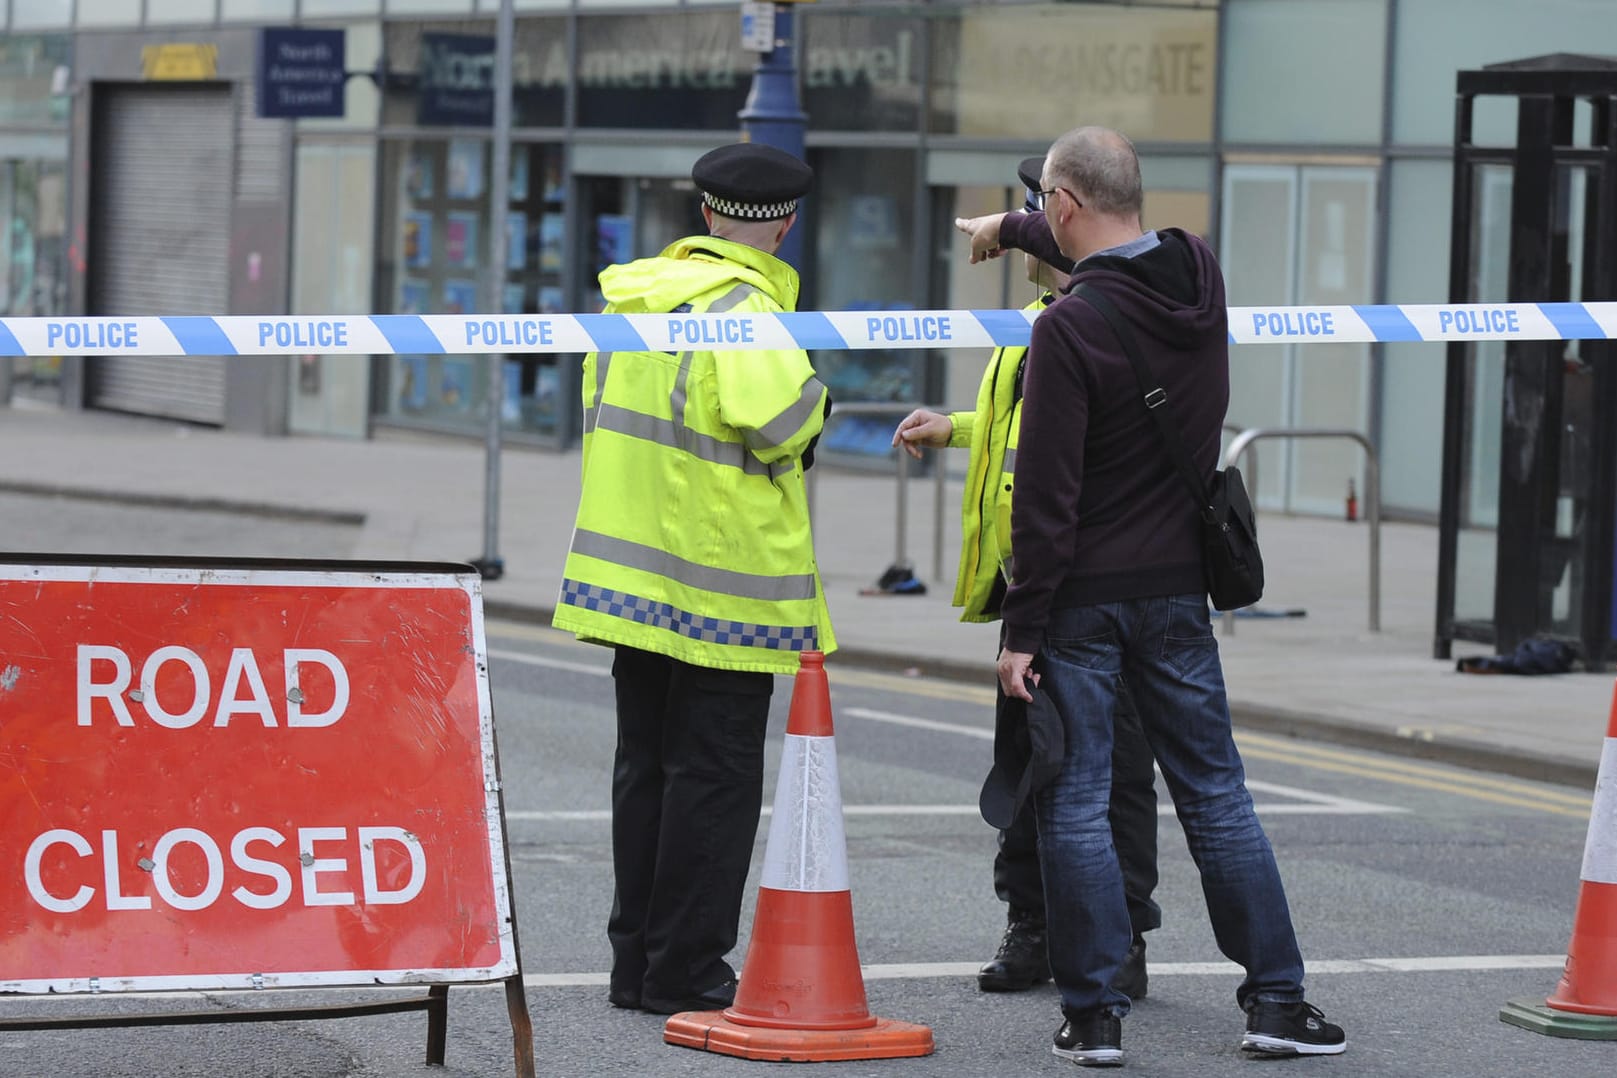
x=1309, y=139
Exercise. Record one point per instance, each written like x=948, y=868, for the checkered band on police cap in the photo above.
x=729, y=208
x=751, y=182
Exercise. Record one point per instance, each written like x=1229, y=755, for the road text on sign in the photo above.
x=239, y=777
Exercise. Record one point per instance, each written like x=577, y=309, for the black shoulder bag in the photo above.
x=1231, y=563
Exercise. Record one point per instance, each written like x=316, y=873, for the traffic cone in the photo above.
x=801, y=994
x=1584, y=1004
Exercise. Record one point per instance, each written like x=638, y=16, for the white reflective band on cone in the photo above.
x=807, y=850
x=1600, y=851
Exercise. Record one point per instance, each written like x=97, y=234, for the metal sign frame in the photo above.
x=25, y=576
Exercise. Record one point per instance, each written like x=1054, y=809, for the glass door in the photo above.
x=1301, y=235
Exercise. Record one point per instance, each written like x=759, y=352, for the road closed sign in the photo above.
x=239, y=775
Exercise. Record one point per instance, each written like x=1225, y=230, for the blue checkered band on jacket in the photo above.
x=620, y=604
x=769, y=211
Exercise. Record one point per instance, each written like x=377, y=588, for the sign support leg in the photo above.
x=516, y=1002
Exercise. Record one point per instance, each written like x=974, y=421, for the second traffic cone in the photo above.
x=1584, y=1004
x=801, y=995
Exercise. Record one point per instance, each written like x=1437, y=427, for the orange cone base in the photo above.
x=713, y=1032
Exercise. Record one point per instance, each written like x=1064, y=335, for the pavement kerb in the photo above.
x=1457, y=752
x=864, y=658
x=187, y=502
x=1258, y=718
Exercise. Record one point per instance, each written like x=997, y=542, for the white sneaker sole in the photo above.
x=1279, y=1046
x=1091, y=1057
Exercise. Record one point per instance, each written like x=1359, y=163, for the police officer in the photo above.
x=692, y=558
x=991, y=434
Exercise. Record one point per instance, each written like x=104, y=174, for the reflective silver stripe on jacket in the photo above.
x=1009, y=467
x=592, y=413
x=649, y=559
x=674, y=433
x=790, y=421
x=643, y=611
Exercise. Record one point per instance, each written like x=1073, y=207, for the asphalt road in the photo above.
x=1425, y=898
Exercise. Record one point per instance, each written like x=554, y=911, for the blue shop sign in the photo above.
x=301, y=72
x=456, y=87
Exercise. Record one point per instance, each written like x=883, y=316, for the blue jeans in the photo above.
x=1164, y=647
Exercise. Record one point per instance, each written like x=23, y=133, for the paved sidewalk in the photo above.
x=421, y=498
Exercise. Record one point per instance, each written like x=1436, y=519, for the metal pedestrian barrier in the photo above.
x=902, y=474
x=1372, y=497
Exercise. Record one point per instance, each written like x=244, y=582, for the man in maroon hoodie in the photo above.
x=1108, y=584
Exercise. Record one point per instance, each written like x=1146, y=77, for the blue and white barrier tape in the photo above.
x=514, y=334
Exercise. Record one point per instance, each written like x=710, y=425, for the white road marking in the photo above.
x=977, y=732
x=911, y=971
x=1312, y=805
x=555, y=664
x=1305, y=802
x=597, y=815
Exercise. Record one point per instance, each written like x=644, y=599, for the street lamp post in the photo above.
x=773, y=114
x=489, y=564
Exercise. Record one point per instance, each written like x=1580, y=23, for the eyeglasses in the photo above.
x=1041, y=198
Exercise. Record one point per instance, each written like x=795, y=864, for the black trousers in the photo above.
x=687, y=787
x=1133, y=816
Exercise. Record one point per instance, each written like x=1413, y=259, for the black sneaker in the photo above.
x=1131, y=979
x=1022, y=961
x=1095, y=1040
x=1291, y=1029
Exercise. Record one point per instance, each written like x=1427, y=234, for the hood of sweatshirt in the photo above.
x=1173, y=291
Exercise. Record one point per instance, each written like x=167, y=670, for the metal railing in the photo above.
x=1242, y=445
x=1372, y=497
x=901, y=497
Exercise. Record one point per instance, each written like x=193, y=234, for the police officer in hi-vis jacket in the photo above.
x=692, y=558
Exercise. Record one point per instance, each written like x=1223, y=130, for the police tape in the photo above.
x=513, y=334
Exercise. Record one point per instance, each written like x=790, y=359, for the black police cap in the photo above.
x=1031, y=172
x=751, y=181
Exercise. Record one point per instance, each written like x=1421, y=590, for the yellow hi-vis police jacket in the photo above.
x=985, y=510
x=692, y=538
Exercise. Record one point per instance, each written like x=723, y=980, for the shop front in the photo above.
x=33, y=202
x=912, y=121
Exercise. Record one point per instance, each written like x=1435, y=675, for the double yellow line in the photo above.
x=1494, y=789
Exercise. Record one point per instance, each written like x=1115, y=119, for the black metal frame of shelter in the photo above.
x=1558, y=440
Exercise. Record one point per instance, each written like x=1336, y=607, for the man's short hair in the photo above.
x=1101, y=165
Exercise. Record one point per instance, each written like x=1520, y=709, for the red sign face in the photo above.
x=246, y=778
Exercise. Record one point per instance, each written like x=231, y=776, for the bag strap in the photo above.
x=1152, y=393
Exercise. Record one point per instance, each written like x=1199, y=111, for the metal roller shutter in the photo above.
x=161, y=190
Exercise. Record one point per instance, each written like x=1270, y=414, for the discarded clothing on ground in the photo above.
x=1538, y=655
x=897, y=580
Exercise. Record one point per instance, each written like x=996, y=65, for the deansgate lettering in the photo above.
x=1148, y=71
x=1111, y=67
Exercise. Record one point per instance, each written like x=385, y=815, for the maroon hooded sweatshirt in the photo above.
x=1100, y=514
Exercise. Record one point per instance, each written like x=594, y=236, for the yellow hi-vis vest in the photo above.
x=985, y=510
x=692, y=538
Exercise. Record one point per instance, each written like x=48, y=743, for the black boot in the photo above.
x=1022, y=961
x=1131, y=979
